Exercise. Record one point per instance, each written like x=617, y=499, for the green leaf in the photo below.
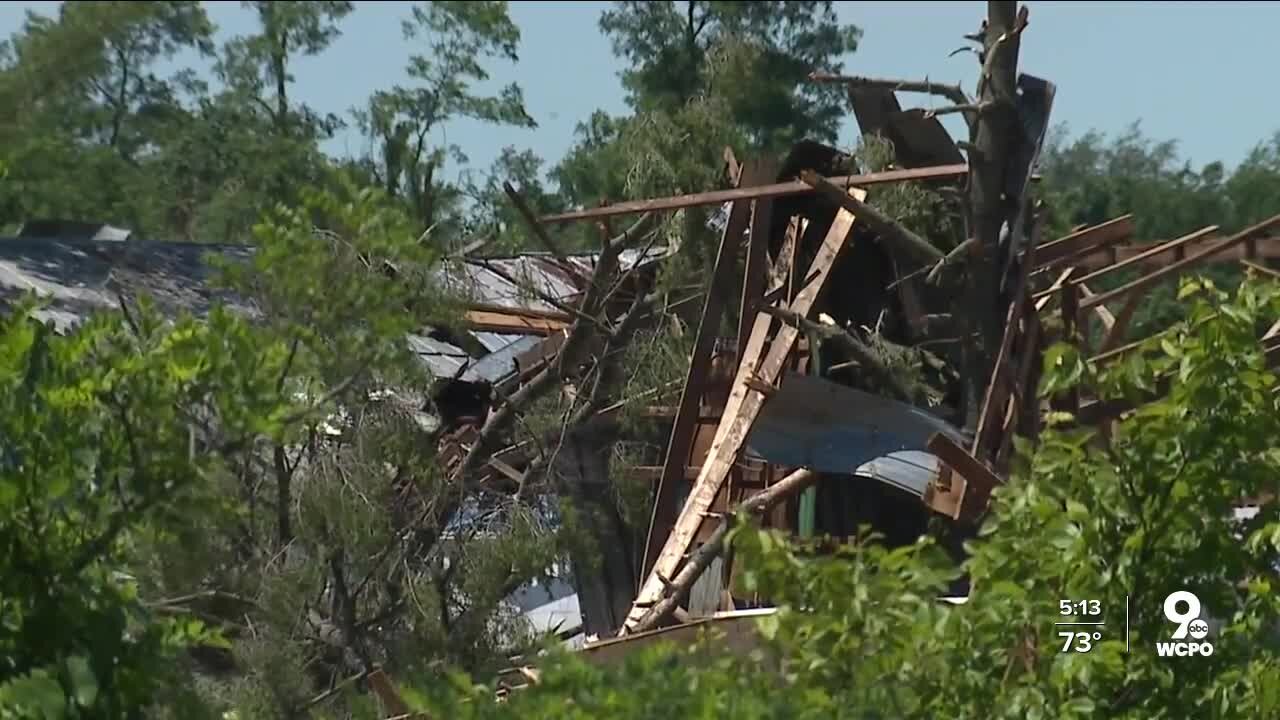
x=84, y=684
x=767, y=625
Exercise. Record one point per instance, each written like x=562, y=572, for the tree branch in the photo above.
x=951, y=92
x=855, y=347
x=889, y=229
x=579, y=334
x=952, y=257
x=701, y=559
x=967, y=108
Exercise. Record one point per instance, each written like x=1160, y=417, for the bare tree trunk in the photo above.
x=993, y=135
x=602, y=567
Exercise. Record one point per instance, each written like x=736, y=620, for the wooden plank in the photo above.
x=1044, y=297
x=995, y=385
x=666, y=505
x=795, y=187
x=1273, y=331
x=513, y=323
x=780, y=273
x=1168, y=271
x=1089, y=239
x=1022, y=384
x=1196, y=236
x=1071, y=335
x=1116, y=333
x=979, y=480
x=740, y=414
x=1108, y=320
x=756, y=269
x=1261, y=269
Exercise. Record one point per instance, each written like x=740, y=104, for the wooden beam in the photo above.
x=1196, y=236
x=666, y=505
x=1042, y=298
x=1108, y=320
x=514, y=322
x=740, y=412
x=978, y=478
x=1088, y=239
x=795, y=187
x=995, y=394
x=755, y=272
x=1070, y=305
x=1168, y=271
x=1273, y=331
x=757, y=504
x=1116, y=333
x=1023, y=392
x=1261, y=269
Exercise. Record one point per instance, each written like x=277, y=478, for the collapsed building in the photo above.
x=804, y=416
x=802, y=419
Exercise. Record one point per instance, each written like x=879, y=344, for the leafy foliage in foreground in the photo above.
x=106, y=430
x=1140, y=514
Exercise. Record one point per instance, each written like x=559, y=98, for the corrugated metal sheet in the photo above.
x=500, y=363
x=815, y=423
x=908, y=470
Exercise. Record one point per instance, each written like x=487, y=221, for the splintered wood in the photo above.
x=739, y=414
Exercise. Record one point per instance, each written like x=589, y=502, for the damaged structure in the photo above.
x=804, y=417
x=875, y=375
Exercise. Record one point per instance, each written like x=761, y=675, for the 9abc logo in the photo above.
x=1189, y=624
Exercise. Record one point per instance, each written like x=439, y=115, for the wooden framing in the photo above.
x=1173, y=269
x=776, y=190
x=666, y=500
x=1089, y=240
x=739, y=414
x=515, y=322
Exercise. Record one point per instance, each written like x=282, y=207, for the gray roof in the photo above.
x=79, y=274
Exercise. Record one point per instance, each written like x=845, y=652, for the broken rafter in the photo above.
x=740, y=412
x=1174, y=268
x=666, y=504
x=1194, y=237
x=889, y=228
x=795, y=187
x=951, y=92
x=1081, y=243
x=676, y=588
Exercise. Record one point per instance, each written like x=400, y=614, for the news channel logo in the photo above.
x=1182, y=609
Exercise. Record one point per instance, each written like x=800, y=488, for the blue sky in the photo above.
x=1196, y=72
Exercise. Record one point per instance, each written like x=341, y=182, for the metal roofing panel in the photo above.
x=812, y=422
x=441, y=358
x=427, y=345
x=908, y=470
x=501, y=363
x=494, y=342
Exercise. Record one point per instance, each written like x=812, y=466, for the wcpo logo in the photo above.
x=1182, y=608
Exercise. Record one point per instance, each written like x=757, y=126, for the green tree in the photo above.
x=458, y=38
x=112, y=435
x=1133, y=516
x=1092, y=178
x=255, y=70
x=670, y=46
x=84, y=108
